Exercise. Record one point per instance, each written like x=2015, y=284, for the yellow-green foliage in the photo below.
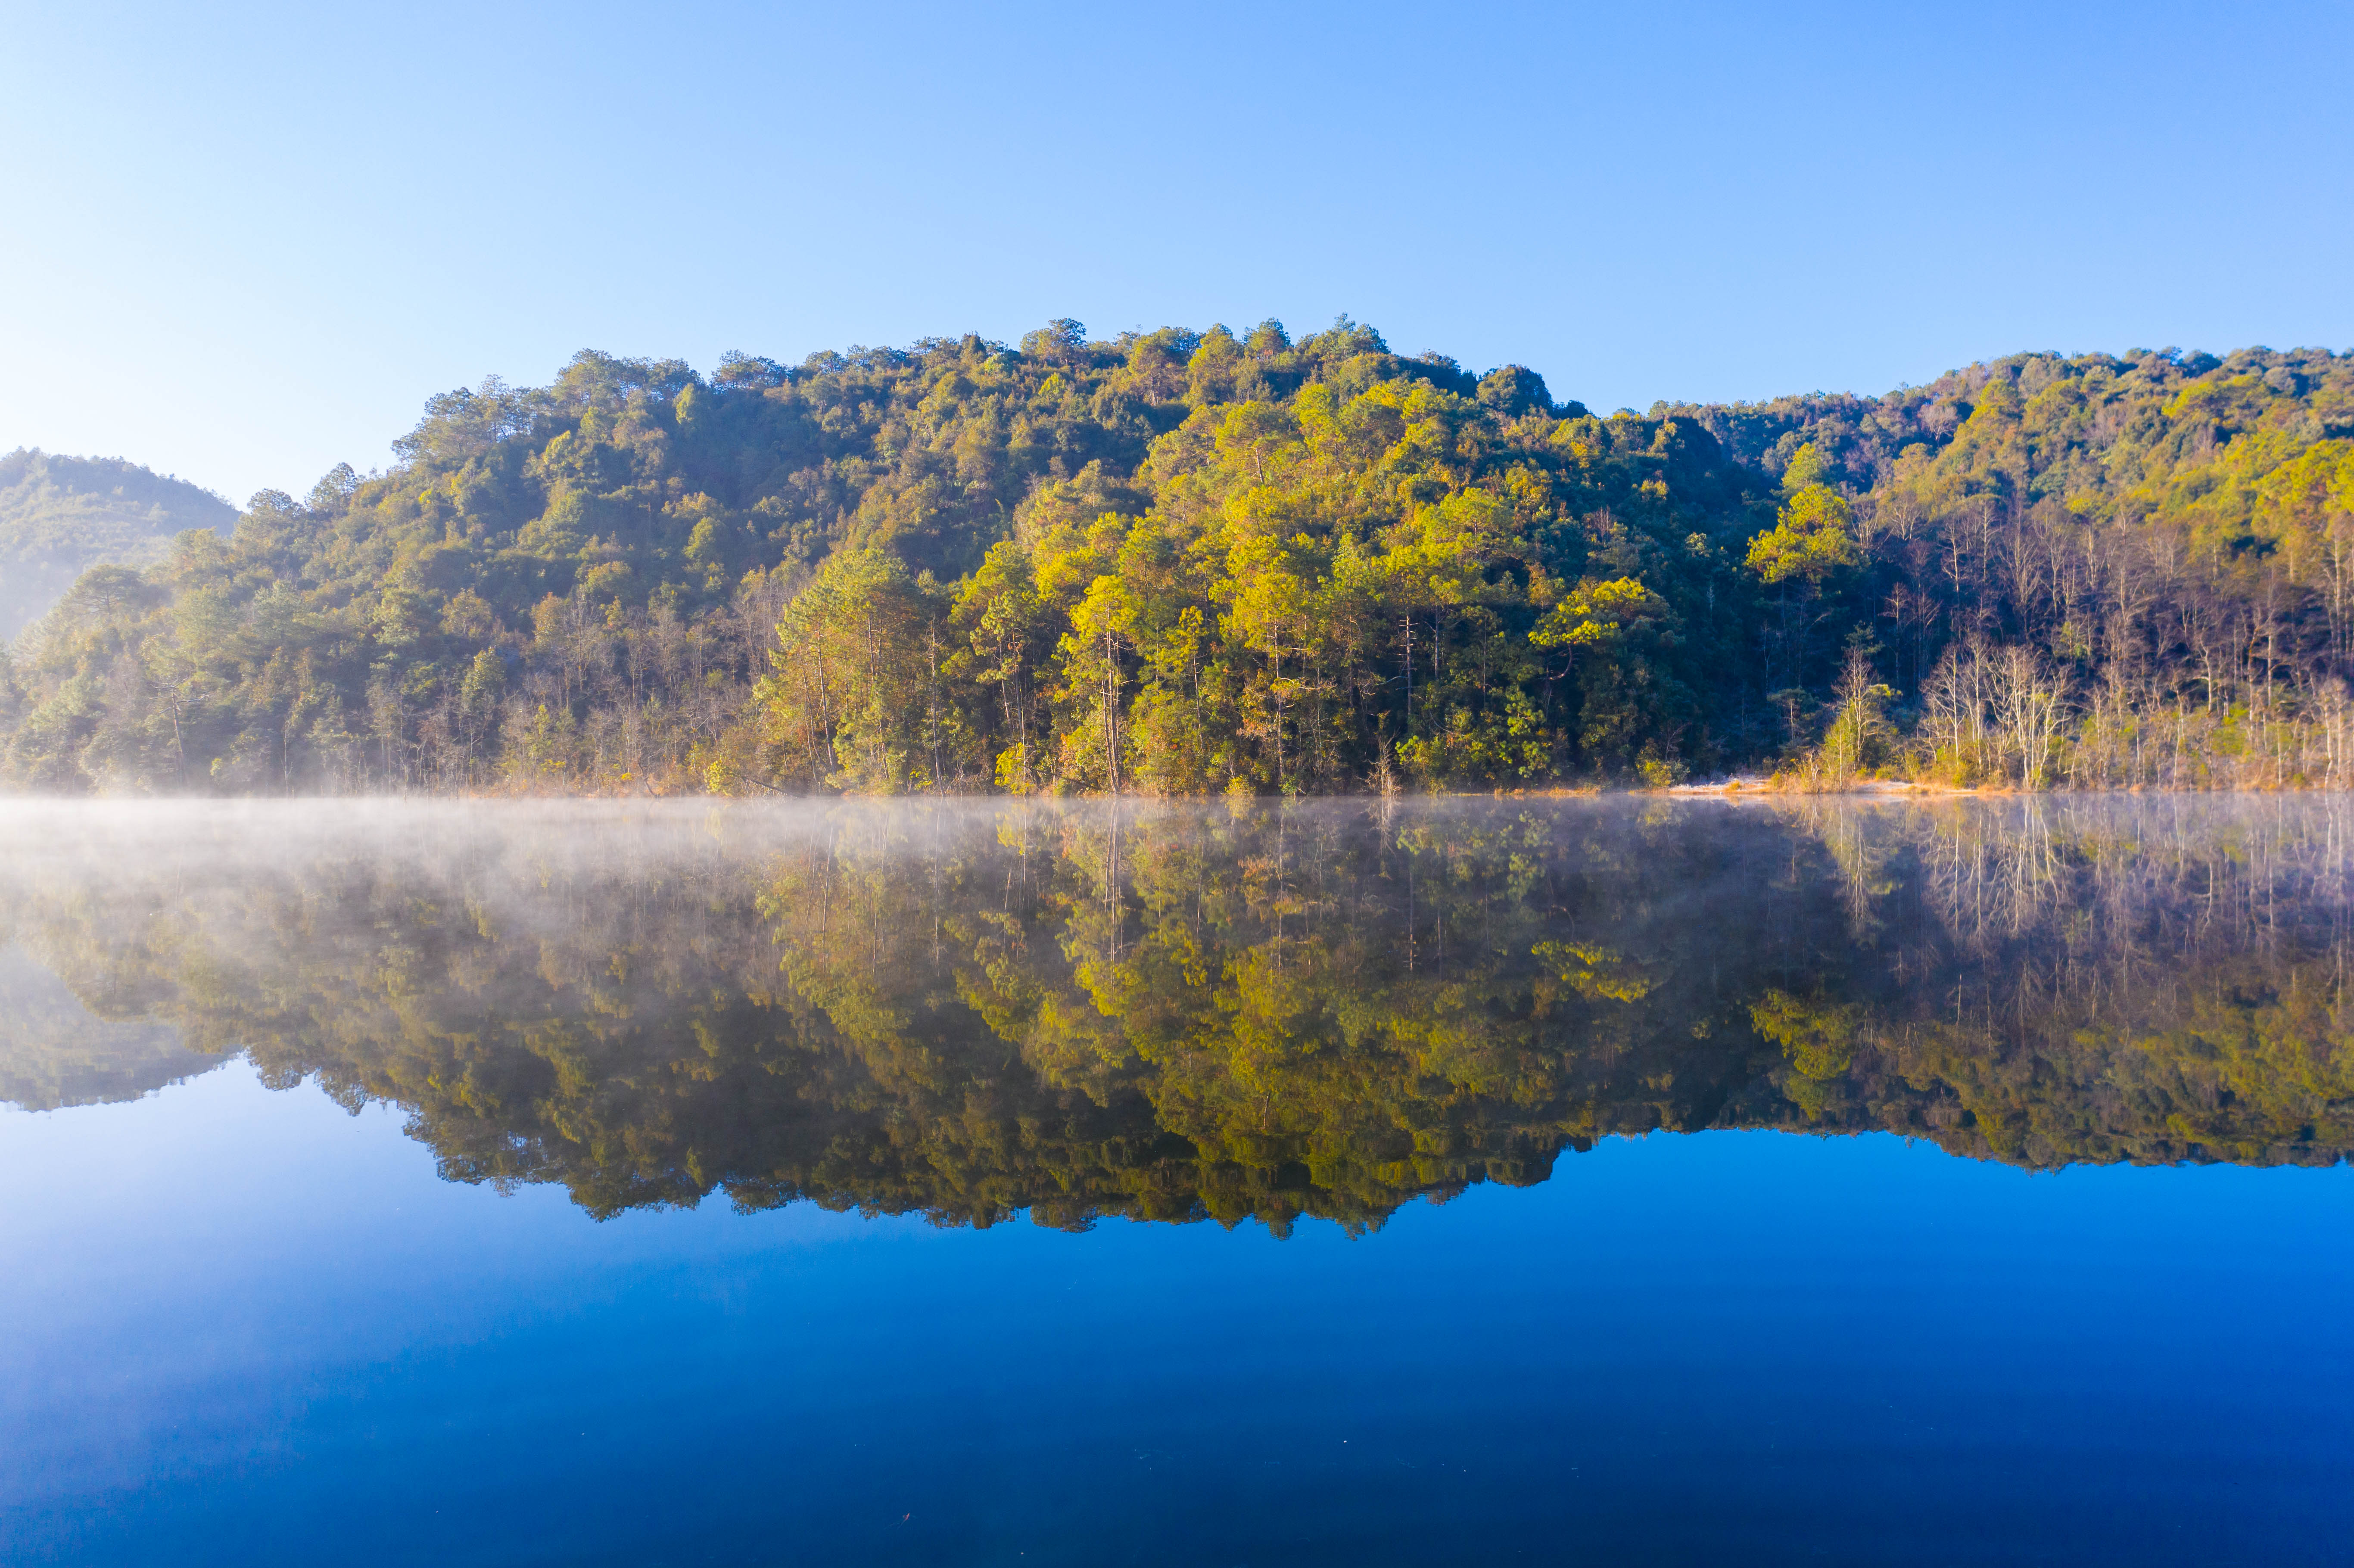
x=1185, y=562
x=1813, y=537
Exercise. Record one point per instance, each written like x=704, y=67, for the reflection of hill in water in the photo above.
x=55, y=1052
x=970, y=1011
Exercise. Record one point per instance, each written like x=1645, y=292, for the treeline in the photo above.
x=2094, y=572
x=1180, y=563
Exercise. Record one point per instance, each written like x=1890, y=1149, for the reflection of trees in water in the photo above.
x=2105, y=978
x=1261, y=1010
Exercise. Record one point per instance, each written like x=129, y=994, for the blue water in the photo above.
x=237, y=1326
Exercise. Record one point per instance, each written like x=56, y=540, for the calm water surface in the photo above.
x=1564, y=1182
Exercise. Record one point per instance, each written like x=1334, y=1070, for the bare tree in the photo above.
x=2029, y=699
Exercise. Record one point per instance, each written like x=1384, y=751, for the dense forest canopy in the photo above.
x=1180, y=1012
x=1185, y=563
x=60, y=516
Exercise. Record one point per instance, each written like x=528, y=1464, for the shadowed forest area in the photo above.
x=1183, y=564
x=1223, y=1012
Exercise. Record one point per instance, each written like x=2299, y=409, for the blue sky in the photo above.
x=243, y=243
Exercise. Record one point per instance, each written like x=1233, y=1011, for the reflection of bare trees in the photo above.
x=2057, y=869
x=1861, y=859
x=2102, y=976
x=1988, y=871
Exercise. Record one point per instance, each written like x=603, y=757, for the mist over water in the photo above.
x=680, y=1137
x=1177, y=1011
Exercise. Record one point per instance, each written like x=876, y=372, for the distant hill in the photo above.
x=55, y=1052
x=62, y=514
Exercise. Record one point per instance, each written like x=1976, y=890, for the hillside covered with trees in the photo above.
x=1185, y=563
x=61, y=516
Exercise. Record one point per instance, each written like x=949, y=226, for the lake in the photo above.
x=1563, y=1180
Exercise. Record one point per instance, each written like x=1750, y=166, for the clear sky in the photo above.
x=245, y=242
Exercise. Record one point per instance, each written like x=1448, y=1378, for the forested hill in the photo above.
x=1183, y=563
x=59, y=515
